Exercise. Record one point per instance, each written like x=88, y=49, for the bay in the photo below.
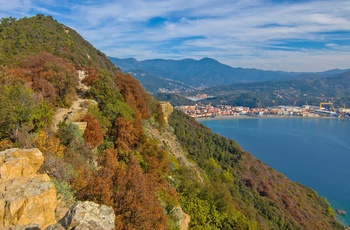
x=313, y=152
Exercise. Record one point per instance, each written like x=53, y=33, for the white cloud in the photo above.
x=247, y=32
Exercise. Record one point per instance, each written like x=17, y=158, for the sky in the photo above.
x=289, y=35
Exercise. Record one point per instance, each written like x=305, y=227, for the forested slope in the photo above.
x=112, y=161
x=238, y=182
x=115, y=161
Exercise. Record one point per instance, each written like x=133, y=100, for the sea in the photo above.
x=314, y=152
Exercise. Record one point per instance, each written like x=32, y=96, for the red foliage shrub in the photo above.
x=93, y=135
x=90, y=76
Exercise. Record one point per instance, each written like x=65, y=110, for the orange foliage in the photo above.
x=52, y=77
x=126, y=134
x=5, y=144
x=90, y=76
x=48, y=144
x=133, y=94
x=138, y=207
x=93, y=135
x=128, y=190
x=101, y=186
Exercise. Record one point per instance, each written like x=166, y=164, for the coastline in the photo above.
x=229, y=117
x=336, y=201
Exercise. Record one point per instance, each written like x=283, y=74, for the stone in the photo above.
x=89, y=215
x=56, y=226
x=167, y=109
x=23, y=227
x=27, y=198
x=15, y=163
x=180, y=217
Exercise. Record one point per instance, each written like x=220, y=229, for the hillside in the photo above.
x=208, y=72
x=297, y=92
x=155, y=84
x=112, y=144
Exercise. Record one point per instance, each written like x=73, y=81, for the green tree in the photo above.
x=19, y=107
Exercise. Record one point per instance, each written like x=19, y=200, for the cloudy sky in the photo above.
x=291, y=35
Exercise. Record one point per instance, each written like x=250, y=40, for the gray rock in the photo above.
x=56, y=226
x=89, y=215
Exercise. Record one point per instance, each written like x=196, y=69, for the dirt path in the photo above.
x=77, y=105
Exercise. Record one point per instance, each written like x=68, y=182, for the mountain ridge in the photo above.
x=210, y=72
x=333, y=88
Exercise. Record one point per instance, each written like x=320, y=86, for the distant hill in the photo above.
x=297, y=92
x=127, y=63
x=210, y=72
x=155, y=84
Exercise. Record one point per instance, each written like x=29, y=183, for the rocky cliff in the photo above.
x=26, y=197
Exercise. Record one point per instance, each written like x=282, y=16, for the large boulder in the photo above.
x=27, y=198
x=89, y=215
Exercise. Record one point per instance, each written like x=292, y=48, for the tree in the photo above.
x=19, y=107
x=93, y=135
x=128, y=190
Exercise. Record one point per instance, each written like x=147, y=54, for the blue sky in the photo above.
x=291, y=35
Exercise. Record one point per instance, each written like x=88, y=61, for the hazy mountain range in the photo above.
x=187, y=73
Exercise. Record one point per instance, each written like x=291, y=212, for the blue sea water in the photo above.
x=314, y=152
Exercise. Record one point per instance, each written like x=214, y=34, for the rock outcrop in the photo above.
x=27, y=198
x=182, y=219
x=88, y=215
x=167, y=109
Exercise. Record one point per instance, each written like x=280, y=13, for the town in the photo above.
x=206, y=111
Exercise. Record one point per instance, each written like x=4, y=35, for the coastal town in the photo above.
x=207, y=111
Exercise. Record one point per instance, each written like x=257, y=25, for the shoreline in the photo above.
x=229, y=117
x=334, y=201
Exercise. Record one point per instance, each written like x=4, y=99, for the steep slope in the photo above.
x=116, y=161
x=111, y=162
x=40, y=33
x=236, y=178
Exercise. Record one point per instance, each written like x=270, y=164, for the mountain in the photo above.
x=152, y=83
x=106, y=140
x=296, y=92
x=126, y=64
x=155, y=84
x=209, y=72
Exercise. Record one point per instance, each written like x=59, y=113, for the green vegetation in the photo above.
x=20, y=109
x=39, y=59
x=174, y=99
x=19, y=38
x=266, y=199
